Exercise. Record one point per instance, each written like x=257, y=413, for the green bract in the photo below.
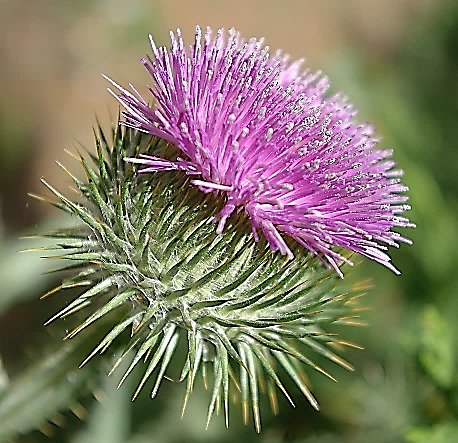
x=148, y=242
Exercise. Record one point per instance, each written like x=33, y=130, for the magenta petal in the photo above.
x=262, y=132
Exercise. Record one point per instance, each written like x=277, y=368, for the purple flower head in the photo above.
x=261, y=131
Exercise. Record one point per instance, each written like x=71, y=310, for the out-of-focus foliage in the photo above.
x=414, y=98
x=405, y=388
x=436, y=352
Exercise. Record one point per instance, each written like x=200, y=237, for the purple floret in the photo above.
x=260, y=131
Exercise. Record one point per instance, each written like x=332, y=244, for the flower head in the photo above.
x=175, y=294
x=262, y=132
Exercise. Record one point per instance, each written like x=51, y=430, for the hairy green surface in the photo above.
x=147, y=242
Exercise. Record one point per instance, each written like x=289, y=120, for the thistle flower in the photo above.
x=250, y=131
x=145, y=254
x=258, y=130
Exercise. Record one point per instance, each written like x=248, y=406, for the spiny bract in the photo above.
x=263, y=133
x=148, y=242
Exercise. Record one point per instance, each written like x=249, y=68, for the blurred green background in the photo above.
x=396, y=59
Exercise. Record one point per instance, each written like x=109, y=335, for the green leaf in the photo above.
x=437, y=348
x=4, y=379
x=446, y=432
x=52, y=384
